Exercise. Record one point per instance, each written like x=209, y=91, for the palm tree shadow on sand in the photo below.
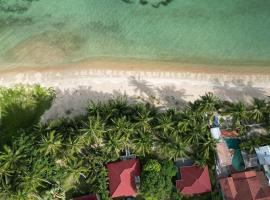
x=70, y=103
x=167, y=96
x=173, y=97
x=237, y=90
x=142, y=87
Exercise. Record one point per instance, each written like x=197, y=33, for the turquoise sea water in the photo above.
x=193, y=31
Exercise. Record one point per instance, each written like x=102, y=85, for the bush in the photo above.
x=157, y=179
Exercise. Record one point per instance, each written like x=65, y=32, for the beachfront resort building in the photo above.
x=250, y=185
x=194, y=180
x=228, y=154
x=124, y=178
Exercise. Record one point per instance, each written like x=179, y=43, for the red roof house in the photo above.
x=250, y=185
x=122, y=177
x=194, y=180
x=87, y=197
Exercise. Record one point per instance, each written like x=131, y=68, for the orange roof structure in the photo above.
x=226, y=133
x=194, y=180
x=250, y=185
x=122, y=177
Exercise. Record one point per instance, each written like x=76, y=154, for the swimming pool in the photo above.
x=237, y=159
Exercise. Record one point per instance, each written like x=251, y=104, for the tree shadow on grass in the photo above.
x=237, y=90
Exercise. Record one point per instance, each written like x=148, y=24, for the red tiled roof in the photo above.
x=226, y=133
x=249, y=185
x=194, y=180
x=122, y=177
x=87, y=197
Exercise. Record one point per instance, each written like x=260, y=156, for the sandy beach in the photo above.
x=165, y=84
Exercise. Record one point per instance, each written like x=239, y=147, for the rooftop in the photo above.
x=250, y=185
x=263, y=154
x=226, y=133
x=224, y=154
x=250, y=160
x=215, y=132
x=122, y=178
x=194, y=180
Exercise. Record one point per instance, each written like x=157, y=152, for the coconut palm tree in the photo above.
x=51, y=144
x=95, y=109
x=248, y=144
x=114, y=143
x=93, y=131
x=183, y=126
x=258, y=109
x=33, y=181
x=5, y=175
x=11, y=158
x=117, y=108
x=56, y=193
x=195, y=136
x=198, y=129
x=74, y=146
x=165, y=124
x=208, y=148
x=142, y=142
x=239, y=113
x=144, y=120
x=207, y=103
x=121, y=126
x=177, y=148
x=161, y=143
x=75, y=170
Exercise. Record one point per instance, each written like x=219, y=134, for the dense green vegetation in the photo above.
x=67, y=158
x=157, y=179
x=21, y=108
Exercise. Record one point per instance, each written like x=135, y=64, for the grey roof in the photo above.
x=180, y=162
x=250, y=160
x=263, y=154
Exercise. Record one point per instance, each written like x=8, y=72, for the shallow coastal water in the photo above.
x=231, y=32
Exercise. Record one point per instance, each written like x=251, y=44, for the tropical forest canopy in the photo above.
x=65, y=158
x=21, y=108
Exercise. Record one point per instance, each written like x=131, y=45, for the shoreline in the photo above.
x=79, y=83
x=139, y=65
